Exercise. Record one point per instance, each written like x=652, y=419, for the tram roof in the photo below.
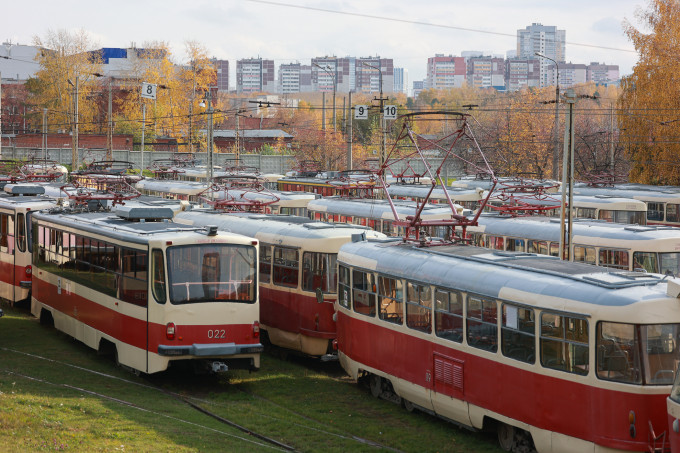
x=272, y=225
x=372, y=208
x=547, y=228
x=111, y=225
x=494, y=273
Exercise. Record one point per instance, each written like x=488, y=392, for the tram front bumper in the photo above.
x=209, y=350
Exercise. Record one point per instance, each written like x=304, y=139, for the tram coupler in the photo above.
x=329, y=357
x=219, y=367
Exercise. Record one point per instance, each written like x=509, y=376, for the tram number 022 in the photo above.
x=217, y=333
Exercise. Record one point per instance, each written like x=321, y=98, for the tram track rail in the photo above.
x=199, y=405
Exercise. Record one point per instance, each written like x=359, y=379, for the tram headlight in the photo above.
x=170, y=331
x=29, y=270
x=631, y=420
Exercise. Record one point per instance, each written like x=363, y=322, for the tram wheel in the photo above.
x=375, y=383
x=506, y=436
x=409, y=406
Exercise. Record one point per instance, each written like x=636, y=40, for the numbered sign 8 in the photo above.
x=390, y=112
x=360, y=112
x=148, y=90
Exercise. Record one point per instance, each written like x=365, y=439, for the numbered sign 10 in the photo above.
x=360, y=112
x=390, y=112
x=148, y=90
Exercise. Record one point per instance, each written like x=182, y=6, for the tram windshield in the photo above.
x=638, y=354
x=212, y=272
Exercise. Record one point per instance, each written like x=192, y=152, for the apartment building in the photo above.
x=601, y=73
x=486, y=72
x=546, y=40
x=255, y=75
x=445, y=72
x=522, y=73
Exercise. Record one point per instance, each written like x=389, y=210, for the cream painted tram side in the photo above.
x=650, y=248
x=152, y=292
x=562, y=356
x=297, y=274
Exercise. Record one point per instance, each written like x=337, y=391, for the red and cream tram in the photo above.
x=652, y=248
x=17, y=205
x=566, y=356
x=151, y=291
x=298, y=279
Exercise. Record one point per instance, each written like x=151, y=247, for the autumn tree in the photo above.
x=66, y=58
x=650, y=97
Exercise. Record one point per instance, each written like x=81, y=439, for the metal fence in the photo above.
x=276, y=164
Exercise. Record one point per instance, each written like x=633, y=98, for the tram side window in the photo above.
x=387, y=228
x=586, y=213
x=448, y=315
x=655, y=211
x=564, y=343
x=495, y=242
x=617, y=353
x=617, y=259
x=265, y=265
x=583, y=254
x=672, y=213
x=518, y=333
x=158, y=273
x=7, y=233
x=363, y=292
x=344, y=288
x=477, y=239
x=21, y=232
x=391, y=299
x=538, y=247
x=133, y=287
x=554, y=249
x=482, y=323
x=514, y=245
x=419, y=307
x=319, y=271
x=286, y=267
x=670, y=262
x=645, y=261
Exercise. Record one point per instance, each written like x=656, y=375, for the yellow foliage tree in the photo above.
x=66, y=59
x=650, y=97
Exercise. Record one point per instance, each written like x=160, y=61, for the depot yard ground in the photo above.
x=57, y=394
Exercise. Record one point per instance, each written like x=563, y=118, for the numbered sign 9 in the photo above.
x=148, y=90
x=390, y=112
x=360, y=112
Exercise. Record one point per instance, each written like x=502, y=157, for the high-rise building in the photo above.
x=255, y=75
x=418, y=87
x=546, y=40
x=445, y=72
x=401, y=80
x=222, y=68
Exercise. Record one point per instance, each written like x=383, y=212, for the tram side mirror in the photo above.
x=319, y=295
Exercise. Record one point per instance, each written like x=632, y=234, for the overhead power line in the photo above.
x=415, y=22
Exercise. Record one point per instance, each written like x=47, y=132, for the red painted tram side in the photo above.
x=153, y=293
x=572, y=359
x=15, y=247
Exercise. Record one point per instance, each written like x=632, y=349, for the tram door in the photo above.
x=7, y=257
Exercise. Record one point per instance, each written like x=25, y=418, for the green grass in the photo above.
x=62, y=404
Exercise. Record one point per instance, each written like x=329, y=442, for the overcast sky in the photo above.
x=297, y=30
